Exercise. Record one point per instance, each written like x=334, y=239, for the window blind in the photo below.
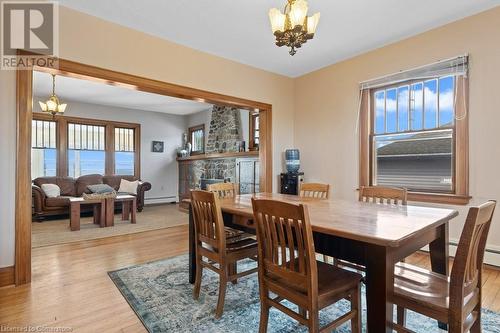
x=43, y=134
x=86, y=137
x=457, y=66
x=124, y=139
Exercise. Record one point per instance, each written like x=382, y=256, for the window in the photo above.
x=86, y=150
x=43, y=148
x=254, y=132
x=414, y=132
x=413, y=135
x=197, y=139
x=124, y=151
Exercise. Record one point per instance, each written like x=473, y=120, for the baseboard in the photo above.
x=7, y=276
x=160, y=200
x=491, y=254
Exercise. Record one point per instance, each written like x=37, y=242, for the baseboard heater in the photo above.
x=159, y=200
x=491, y=255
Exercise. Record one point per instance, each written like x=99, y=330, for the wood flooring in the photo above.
x=71, y=287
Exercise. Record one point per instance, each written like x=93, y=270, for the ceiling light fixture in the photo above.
x=52, y=105
x=292, y=27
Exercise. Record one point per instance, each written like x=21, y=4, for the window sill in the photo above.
x=439, y=198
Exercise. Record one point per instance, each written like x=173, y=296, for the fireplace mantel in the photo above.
x=219, y=155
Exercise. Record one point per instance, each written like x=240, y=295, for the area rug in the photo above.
x=161, y=296
x=56, y=231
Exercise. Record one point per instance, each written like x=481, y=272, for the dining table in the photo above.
x=373, y=235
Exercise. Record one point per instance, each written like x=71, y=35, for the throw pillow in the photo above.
x=128, y=187
x=51, y=190
x=100, y=188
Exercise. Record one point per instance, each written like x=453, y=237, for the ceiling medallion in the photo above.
x=52, y=105
x=292, y=27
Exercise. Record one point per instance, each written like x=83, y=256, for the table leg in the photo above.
x=110, y=212
x=133, y=211
x=125, y=210
x=192, y=251
x=379, y=288
x=102, y=213
x=74, y=221
x=95, y=208
x=439, y=253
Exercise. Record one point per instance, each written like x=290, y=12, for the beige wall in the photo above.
x=326, y=107
x=90, y=40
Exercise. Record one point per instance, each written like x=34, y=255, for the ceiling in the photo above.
x=239, y=29
x=72, y=89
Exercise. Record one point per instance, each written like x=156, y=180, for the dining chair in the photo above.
x=383, y=195
x=288, y=269
x=219, y=245
x=314, y=190
x=455, y=300
x=223, y=190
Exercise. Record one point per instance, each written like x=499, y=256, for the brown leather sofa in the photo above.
x=71, y=187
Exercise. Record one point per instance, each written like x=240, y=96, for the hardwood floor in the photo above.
x=71, y=287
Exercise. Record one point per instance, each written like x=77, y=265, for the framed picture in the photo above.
x=157, y=147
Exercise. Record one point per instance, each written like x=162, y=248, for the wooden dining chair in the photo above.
x=223, y=190
x=288, y=269
x=219, y=245
x=455, y=300
x=378, y=195
x=383, y=195
x=314, y=190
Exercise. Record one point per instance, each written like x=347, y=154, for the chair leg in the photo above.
x=197, y=281
x=264, y=317
x=476, y=327
x=314, y=320
x=356, y=306
x=233, y=269
x=222, y=293
x=401, y=316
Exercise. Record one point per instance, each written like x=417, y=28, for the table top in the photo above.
x=386, y=225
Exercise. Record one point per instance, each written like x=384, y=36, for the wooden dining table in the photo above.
x=375, y=236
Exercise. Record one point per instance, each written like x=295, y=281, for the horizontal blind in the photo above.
x=455, y=66
x=43, y=134
x=86, y=137
x=124, y=139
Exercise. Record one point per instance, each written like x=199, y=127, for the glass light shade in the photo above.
x=61, y=108
x=51, y=105
x=277, y=20
x=298, y=12
x=43, y=106
x=312, y=23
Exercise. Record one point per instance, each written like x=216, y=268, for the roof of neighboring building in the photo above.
x=418, y=144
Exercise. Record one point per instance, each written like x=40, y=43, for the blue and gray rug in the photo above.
x=161, y=296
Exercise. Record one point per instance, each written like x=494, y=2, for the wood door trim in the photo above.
x=7, y=276
x=88, y=72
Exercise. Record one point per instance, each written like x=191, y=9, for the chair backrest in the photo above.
x=467, y=265
x=314, y=190
x=223, y=190
x=383, y=195
x=208, y=222
x=286, y=245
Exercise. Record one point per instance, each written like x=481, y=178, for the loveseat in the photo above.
x=71, y=187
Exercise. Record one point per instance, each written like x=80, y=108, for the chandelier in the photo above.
x=292, y=27
x=52, y=105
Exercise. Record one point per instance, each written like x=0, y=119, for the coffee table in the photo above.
x=129, y=209
x=75, y=207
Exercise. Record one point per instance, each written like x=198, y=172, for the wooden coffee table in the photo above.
x=75, y=207
x=129, y=209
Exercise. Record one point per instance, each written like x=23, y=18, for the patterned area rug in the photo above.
x=161, y=296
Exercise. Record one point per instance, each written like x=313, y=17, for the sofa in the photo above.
x=70, y=187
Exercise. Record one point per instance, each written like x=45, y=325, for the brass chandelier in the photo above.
x=53, y=105
x=293, y=27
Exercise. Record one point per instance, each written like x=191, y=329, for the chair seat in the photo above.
x=422, y=286
x=235, y=235
x=242, y=244
x=423, y=290
x=333, y=281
